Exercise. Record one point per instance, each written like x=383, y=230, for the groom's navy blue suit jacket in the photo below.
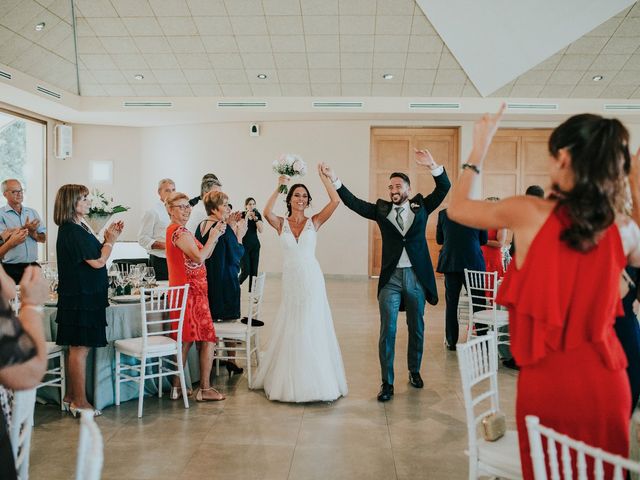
x=414, y=240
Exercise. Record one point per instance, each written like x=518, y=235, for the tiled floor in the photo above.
x=419, y=434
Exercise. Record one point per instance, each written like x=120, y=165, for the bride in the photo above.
x=302, y=362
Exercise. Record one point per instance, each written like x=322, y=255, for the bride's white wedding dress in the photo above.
x=302, y=362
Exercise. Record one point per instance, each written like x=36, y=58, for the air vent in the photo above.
x=46, y=91
x=147, y=104
x=435, y=106
x=242, y=104
x=629, y=107
x=337, y=104
x=6, y=75
x=532, y=106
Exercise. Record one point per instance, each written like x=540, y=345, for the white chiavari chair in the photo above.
x=479, y=374
x=55, y=376
x=155, y=348
x=238, y=333
x=90, y=448
x=564, y=453
x=21, y=427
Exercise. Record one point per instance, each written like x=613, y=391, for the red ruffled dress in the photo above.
x=198, y=324
x=562, y=307
x=493, y=255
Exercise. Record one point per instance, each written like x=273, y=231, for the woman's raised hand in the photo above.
x=113, y=231
x=283, y=180
x=484, y=131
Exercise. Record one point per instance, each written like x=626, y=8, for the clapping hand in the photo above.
x=233, y=218
x=18, y=237
x=112, y=232
x=32, y=225
x=217, y=230
x=424, y=158
x=14, y=236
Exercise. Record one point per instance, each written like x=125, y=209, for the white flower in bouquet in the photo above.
x=290, y=165
x=101, y=210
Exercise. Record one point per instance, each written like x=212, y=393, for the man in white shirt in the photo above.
x=151, y=235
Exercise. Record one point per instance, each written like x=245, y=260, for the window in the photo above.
x=22, y=156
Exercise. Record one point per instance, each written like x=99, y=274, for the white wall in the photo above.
x=142, y=156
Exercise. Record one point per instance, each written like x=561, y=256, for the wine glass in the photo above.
x=150, y=276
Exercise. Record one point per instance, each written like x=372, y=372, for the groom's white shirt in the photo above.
x=407, y=215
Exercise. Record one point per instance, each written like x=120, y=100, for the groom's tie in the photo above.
x=399, y=219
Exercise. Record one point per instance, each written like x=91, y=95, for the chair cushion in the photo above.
x=486, y=316
x=502, y=456
x=53, y=348
x=235, y=329
x=155, y=344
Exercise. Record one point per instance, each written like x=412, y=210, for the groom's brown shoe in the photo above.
x=386, y=392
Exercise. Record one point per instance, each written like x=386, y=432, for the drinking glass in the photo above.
x=150, y=276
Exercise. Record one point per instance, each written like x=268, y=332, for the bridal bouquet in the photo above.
x=291, y=165
x=101, y=210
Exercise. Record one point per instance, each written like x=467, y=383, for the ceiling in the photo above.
x=325, y=48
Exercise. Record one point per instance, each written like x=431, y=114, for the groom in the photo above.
x=406, y=278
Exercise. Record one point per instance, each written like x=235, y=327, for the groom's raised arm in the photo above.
x=362, y=208
x=435, y=198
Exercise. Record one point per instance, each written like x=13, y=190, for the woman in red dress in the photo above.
x=492, y=250
x=562, y=290
x=185, y=262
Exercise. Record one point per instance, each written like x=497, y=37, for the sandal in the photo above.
x=200, y=398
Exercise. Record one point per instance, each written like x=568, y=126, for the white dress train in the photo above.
x=302, y=362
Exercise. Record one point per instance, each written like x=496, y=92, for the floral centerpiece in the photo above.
x=290, y=165
x=101, y=210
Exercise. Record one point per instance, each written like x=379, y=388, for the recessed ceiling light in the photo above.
x=387, y=76
x=262, y=76
x=40, y=26
x=139, y=76
x=597, y=78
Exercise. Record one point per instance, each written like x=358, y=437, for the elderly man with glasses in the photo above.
x=16, y=218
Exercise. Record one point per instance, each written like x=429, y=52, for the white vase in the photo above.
x=97, y=222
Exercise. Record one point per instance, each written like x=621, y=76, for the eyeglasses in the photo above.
x=16, y=192
x=182, y=207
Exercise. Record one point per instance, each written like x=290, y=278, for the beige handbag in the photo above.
x=494, y=426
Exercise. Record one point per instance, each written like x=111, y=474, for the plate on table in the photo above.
x=126, y=299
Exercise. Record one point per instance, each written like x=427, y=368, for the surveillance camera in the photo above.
x=254, y=130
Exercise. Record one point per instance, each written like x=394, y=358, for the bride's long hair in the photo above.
x=290, y=194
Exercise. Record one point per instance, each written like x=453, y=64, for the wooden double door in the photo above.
x=516, y=159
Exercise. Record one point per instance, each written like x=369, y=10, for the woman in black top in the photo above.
x=224, y=263
x=251, y=243
x=82, y=288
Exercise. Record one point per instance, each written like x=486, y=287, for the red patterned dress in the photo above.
x=562, y=307
x=493, y=255
x=198, y=324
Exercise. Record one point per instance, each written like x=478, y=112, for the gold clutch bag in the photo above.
x=494, y=426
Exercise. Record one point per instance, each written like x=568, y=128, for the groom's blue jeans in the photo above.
x=402, y=286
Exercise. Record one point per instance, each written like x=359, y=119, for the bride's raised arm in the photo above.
x=274, y=220
x=334, y=200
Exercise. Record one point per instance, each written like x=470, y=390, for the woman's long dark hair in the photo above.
x=290, y=194
x=600, y=161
